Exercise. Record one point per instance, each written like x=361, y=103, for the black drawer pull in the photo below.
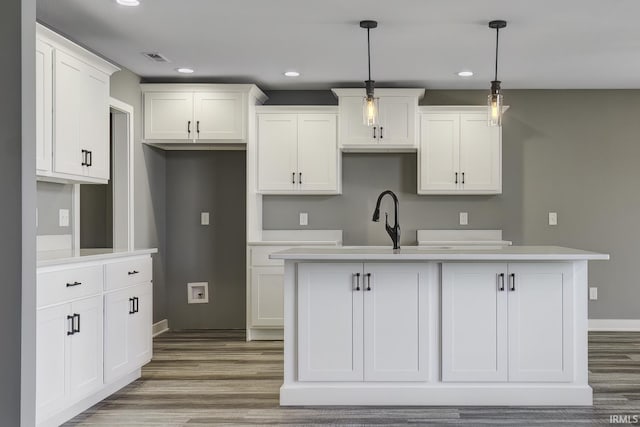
x=74, y=284
x=131, y=273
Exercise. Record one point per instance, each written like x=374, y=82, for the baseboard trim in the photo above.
x=255, y=334
x=628, y=325
x=160, y=327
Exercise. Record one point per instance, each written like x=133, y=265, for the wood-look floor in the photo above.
x=200, y=378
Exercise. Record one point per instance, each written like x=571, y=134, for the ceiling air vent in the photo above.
x=156, y=57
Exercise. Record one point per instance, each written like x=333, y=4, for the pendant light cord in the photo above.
x=497, y=38
x=369, y=52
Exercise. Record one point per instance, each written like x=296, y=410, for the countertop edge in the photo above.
x=93, y=257
x=294, y=243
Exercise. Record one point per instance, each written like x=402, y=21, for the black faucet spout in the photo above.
x=394, y=232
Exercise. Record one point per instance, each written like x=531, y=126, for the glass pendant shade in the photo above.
x=495, y=109
x=370, y=110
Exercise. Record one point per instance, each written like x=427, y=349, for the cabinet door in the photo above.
x=353, y=131
x=277, y=152
x=51, y=366
x=439, y=152
x=540, y=322
x=117, y=354
x=480, y=154
x=94, y=126
x=70, y=77
x=219, y=115
x=329, y=322
x=396, y=323
x=169, y=115
x=267, y=296
x=141, y=322
x=397, y=120
x=474, y=322
x=317, y=152
x=85, y=348
x=44, y=106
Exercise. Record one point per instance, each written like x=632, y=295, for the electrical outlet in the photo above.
x=63, y=217
x=198, y=293
x=593, y=293
x=304, y=218
x=204, y=218
x=464, y=218
x=553, y=218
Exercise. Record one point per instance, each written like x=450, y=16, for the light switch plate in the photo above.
x=553, y=218
x=204, y=218
x=304, y=218
x=593, y=294
x=464, y=218
x=63, y=217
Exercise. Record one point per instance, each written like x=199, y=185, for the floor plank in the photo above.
x=204, y=378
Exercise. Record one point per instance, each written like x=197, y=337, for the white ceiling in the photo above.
x=547, y=44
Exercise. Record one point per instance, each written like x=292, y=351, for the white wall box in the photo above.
x=297, y=151
x=458, y=153
x=90, y=342
x=211, y=115
x=72, y=118
x=397, y=127
x=507, y=322
x=361, y=338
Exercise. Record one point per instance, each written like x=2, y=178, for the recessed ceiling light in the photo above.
x=465, y=73
x=128, y=2
x=291, y=73
x=185, y=70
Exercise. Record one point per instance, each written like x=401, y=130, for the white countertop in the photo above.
x=50, y=258
x=299, y=238
x=415, y=253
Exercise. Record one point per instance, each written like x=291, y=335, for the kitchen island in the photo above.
x=370, y=326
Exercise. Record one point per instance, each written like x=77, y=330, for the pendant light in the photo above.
x=495, y=97
x=370, y=103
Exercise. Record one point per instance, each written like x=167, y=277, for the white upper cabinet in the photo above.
x=396, y=129
x=187, y=113
x=459, y=153
x=44, y=106
x=297, y=152
x=72, y=118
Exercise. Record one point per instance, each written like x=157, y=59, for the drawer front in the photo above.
x=260, y=255
x=67, y=284
x=129, y=272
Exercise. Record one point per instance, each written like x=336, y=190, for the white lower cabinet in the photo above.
x=267, y=296
x=507, y=322
x=69, y=351
x=128, y=321
x=348, y=324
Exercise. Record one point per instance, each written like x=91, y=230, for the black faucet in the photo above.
x=394, y=232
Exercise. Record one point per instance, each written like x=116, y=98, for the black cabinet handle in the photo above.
x=72, y=331
x=501, y=282
x=189, y=128
x=357, y=277
x=299, y=177
x=90, y=158
x=74, y=284
x=76, y=316
x=132, y=306
x=84, y=158
x=512, y=278
x=463, y=177
x=456, y=177
x=381, y=134
x=293, y=177
x=368, y=281
x=198, y=127
x=131, y=273
x=136, y=304
x=374, y=132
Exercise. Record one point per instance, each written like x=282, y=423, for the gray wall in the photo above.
x=214, y=182
x=96, y=215
x=51, y=198
x=571, y=152
x=149, y=191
